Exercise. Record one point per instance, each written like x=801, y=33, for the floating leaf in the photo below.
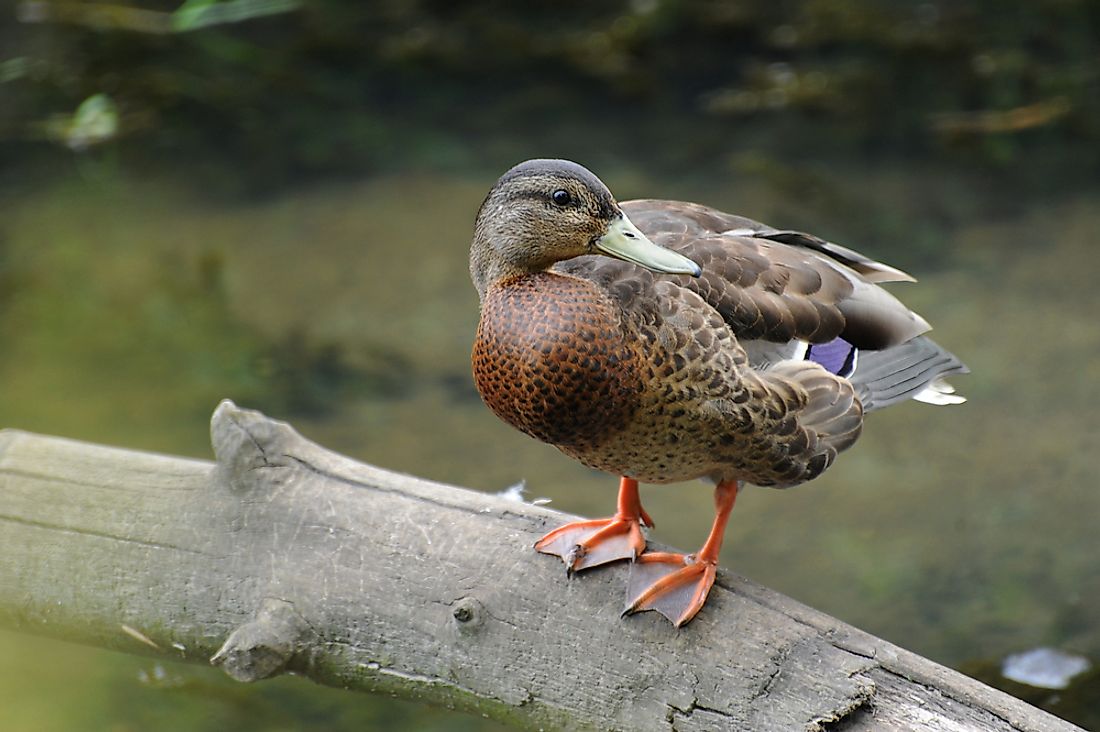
x=1045, y=668
x=195, y=14
x=14, y=68
x=95, y=121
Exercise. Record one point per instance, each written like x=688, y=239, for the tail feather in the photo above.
x=911, y=370
x=940, y=393
x=825, y=411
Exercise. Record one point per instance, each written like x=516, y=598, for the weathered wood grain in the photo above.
x=283, y=556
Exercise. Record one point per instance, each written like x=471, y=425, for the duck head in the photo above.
x=545, y=211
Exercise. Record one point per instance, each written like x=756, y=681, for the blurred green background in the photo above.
x=271, y=201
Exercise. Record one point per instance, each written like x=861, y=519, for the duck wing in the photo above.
x=788, y=295
x=777, y=285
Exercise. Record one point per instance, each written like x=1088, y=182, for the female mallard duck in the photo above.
x=751, y=356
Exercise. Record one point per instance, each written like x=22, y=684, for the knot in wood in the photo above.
x=264, y=646
x=468, y=614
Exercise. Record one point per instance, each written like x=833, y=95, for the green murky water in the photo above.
x=129, y=307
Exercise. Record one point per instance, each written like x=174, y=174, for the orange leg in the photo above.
x=676, y=585
x=584, y=544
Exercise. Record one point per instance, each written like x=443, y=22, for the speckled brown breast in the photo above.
x=550, y=359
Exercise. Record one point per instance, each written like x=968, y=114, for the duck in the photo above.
x=665, y=341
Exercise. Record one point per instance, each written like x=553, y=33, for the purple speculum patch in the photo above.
x=838, y=356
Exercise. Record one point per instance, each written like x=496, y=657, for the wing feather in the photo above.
x=766, y=283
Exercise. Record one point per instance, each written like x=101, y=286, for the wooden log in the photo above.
x=283, y=556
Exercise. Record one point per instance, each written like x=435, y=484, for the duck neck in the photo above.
x=488, y=265
x=498, y=254
x=485, y=268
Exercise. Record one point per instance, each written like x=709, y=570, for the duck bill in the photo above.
x=623, y=240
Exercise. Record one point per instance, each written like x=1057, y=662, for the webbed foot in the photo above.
x=584, y=544
x=675, y=585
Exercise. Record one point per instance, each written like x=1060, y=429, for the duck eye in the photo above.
x=561, y=197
